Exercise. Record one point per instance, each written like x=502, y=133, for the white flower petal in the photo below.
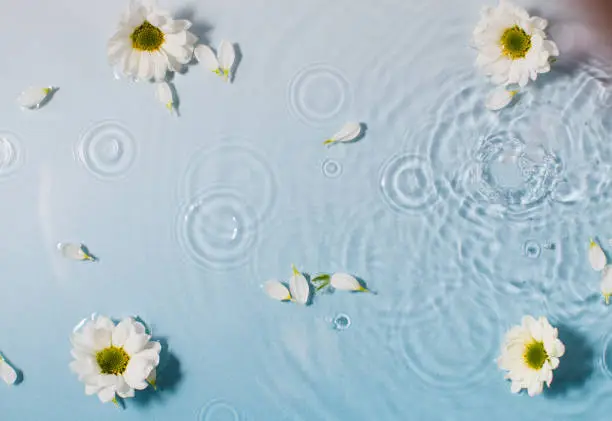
x=276, y=290
x=136, y=373
x=597, y=257
x=33, y=97
x=227, y=57
x=606, y=283
x=499, y=98
x=345, y=282
x=107, y=394
x=135, y=343
x=349, y=132
x=8, y=373
x=74, y=251
x=299, y=287
x=163, y=92
x=205, y=55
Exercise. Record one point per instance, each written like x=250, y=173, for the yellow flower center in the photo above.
x=147, y=37
x=112, y=360
x=515, y=42
x=535, y=355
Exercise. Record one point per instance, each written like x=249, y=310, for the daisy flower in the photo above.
x=148, y=43
x=529, y=354
x=114, y=360
x=512, y=46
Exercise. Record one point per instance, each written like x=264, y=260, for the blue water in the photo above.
x=462, y=220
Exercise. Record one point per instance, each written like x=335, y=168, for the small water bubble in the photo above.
x=549, y=245
x=532, y=249
x=341, y=322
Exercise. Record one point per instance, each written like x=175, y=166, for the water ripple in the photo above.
x=11, y=154
x=218, y=410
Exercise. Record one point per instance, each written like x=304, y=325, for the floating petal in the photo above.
x=227, y=57
x=277, y=291
x=499, y=98
x=207, y=57
x=346, y=282
x=348, y=133
x=299, y=286
x=8, y=373
x=606, y=283
x=163, y=92
x=33, y=97
x=74, y=251
x=597, y=257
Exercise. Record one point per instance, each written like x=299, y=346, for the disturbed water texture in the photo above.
x=460, y=219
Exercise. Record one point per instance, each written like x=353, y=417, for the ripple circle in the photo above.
x=107, y=149
x=217, y=229
x=218, y=411
x=331, y=168
x=318, y=94
x=453, y=344
x=407, y=183
x=11, y=154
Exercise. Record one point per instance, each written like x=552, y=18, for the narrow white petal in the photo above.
x=277, y=291
x=345, y=282
x=33, y=97
x=349, y=132
x=163, y=92
x=8, y=373
x=299, y=287
x=207, y=57
x=597, y=257
x=499, y=98
x=606, y=283
x=107, y=394
x=74, y=251
x=227, y=57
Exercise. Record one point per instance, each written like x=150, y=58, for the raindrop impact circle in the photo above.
x=532, y=249
x=217, y=229
x=341, y=322
x=107, y=149
x=11, y=154
x=318, y=94
x=407, y=183
x=219, y=411
x=332, y=168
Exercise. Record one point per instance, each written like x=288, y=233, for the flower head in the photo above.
x=530, y=353
x=148, y=43
x=512, y=46
x=114, y=359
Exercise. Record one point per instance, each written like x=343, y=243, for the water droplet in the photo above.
x=532, y=249
x=331, y=168
x=341, y=322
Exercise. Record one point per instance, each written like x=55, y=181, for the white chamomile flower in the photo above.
x=75, y=251
x=33, y=97
x=346, y=282
x=512, y=46
x=113, y=360
x=499, y=98
x=7, y=372
x=606, y=283
x=277, y=290
x=348, y=133
x=221, y=63
x=163, y=92
x=597, y=257
x=529, y=355
x=299, y=287
x=148, y=43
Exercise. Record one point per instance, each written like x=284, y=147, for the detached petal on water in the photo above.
x=606, y=283
x=346, y=282
x=33, y=97
x=74, y=251
x=299, y=287
x=348, y=133
x=277, y=291
x=597, y=257
x=208, y=58
x=163, y=92
x=227, y=57
x=8, y=373
x=499, y=98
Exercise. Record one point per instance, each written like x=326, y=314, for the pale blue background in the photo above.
x=454, y=263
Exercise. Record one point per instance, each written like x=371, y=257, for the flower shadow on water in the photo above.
x=576, y=365
x=169, y=376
